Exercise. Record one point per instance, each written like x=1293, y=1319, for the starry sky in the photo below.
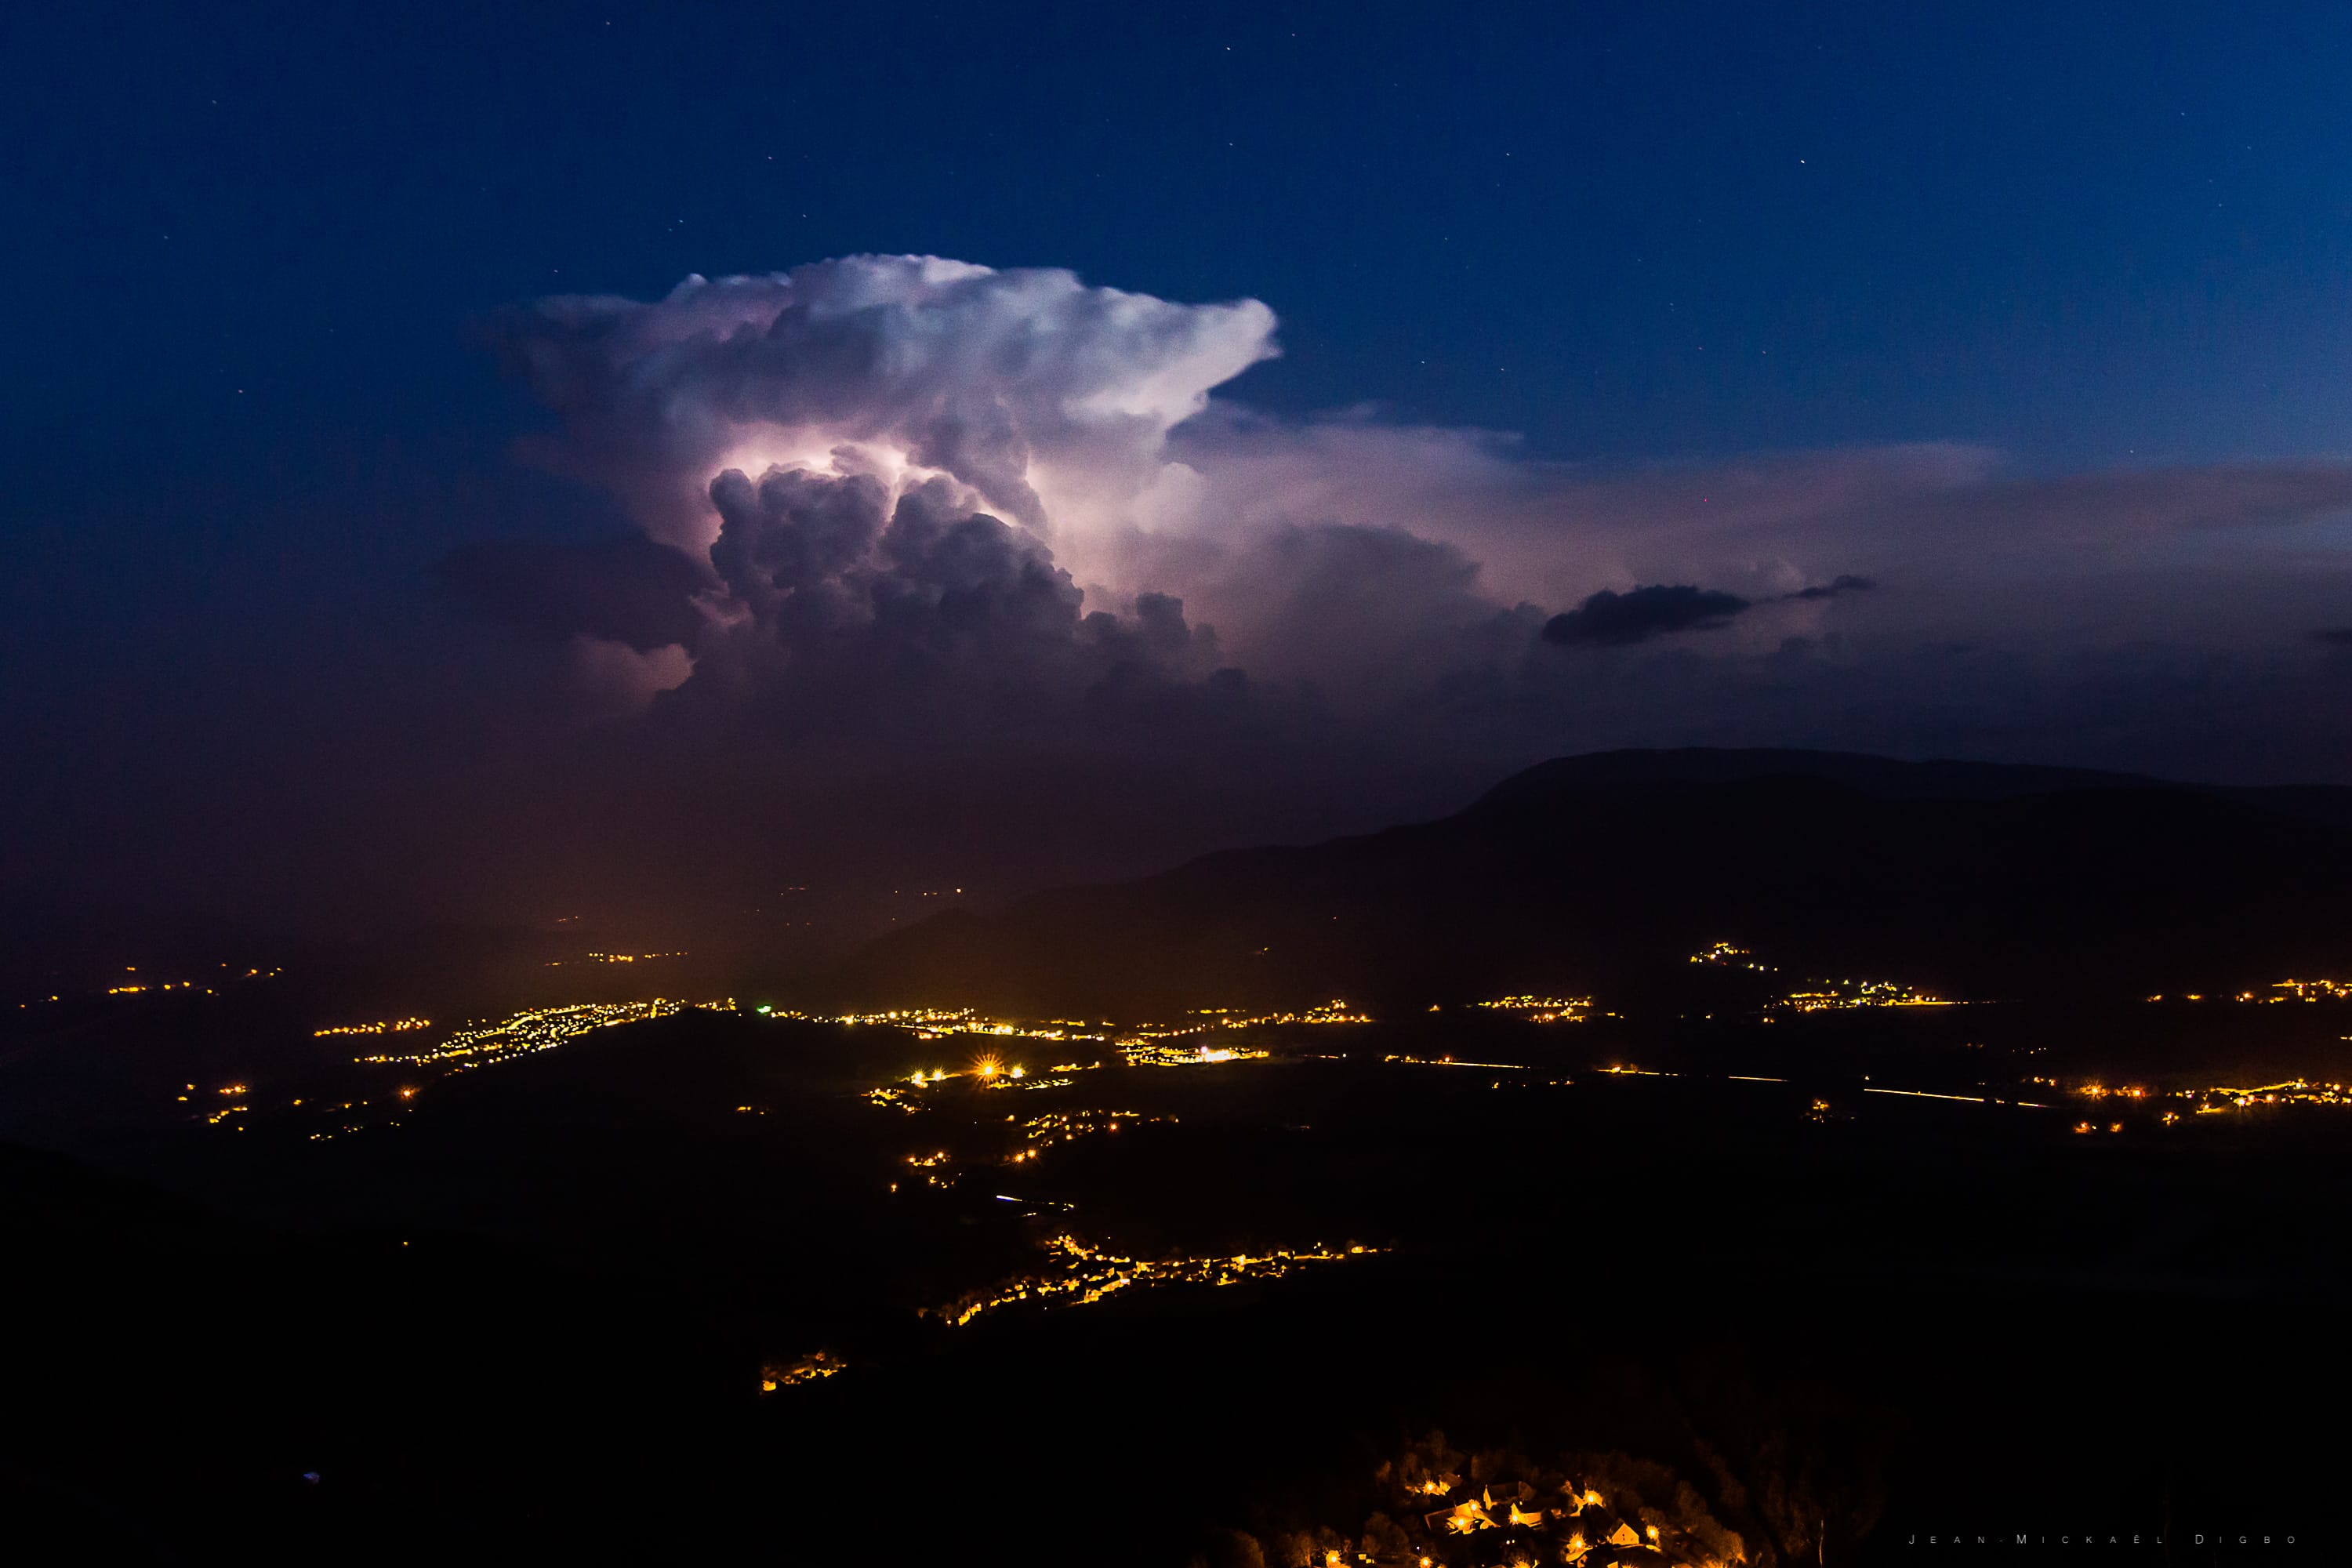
x=1990, y=358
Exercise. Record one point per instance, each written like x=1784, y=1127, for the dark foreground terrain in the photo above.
x=534, y=1315
x=1803, y=1158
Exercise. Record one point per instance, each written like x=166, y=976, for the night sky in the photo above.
x=1963, y=380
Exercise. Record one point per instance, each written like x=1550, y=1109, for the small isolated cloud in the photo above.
x=1846, y=583
x=2335, y=636
x=1611, y=619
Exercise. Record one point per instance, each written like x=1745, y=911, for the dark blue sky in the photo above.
x=1630, y=231
x=251, y=246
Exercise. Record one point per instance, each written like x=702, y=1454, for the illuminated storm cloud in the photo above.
x=1044, y=400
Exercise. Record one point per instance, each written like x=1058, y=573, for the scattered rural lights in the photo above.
x=1078, y=1274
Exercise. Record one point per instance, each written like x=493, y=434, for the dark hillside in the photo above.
x=1605, y=873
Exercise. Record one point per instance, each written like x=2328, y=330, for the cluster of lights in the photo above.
x=483, y=1044
x=988, y=1071
x=2293, y=1092
x=1146, y=1053
x=1146, y=1045
x=1037, y=1135
x=2308, y=991
x=931, y=1023
x=161, y=986
x=815, y=1367
x=1332, y=1012
x=535, y=1029
x=1545, y=1009
x=1520, y=1507
x=1079, y=1274
x=2216, y=1100
x=142, y=988
x=1723, y=955
x=1335, y=1010
x=2281, y=991
x=1825, y=995
x=619, y=958
x=1040, y=1133
x=1841, y=994
x=1523, y=1515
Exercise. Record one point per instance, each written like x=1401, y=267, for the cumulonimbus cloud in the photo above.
x=849, y=605
x=903, y=480
x=1047, y=400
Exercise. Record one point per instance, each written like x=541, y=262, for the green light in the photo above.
x=764, y=1006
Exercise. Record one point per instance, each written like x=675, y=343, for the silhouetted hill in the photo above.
x=1885, y=778
x=1603, y=873
x=1889, y=778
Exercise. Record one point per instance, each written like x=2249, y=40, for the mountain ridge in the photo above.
x=1602, y=872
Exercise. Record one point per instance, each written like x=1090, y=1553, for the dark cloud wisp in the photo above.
x=1845, y=582
x=1611, y=619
